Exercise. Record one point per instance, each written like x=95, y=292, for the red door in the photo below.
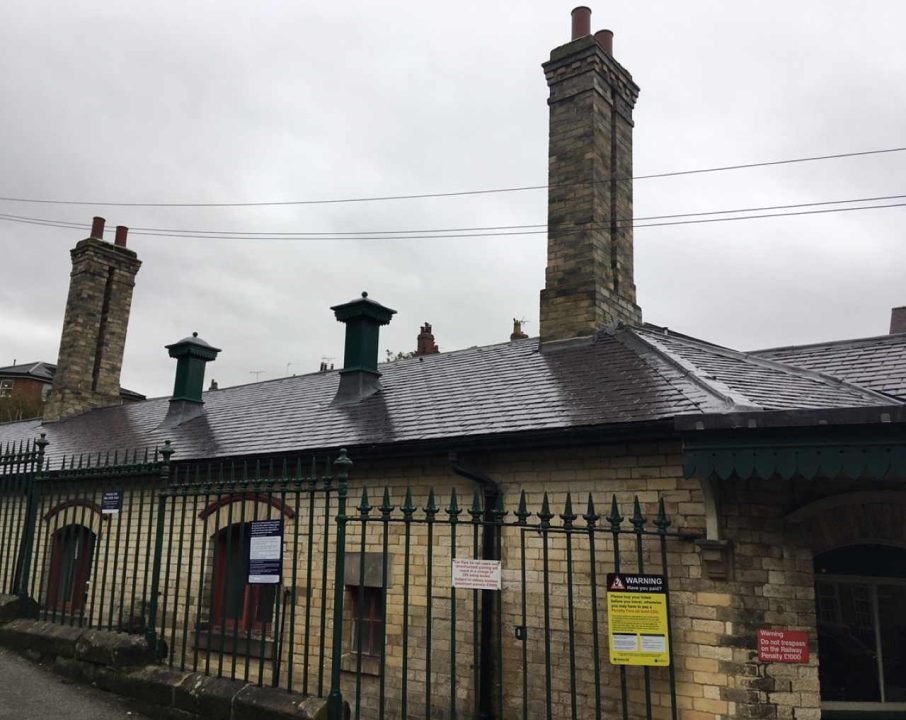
x=70, y=568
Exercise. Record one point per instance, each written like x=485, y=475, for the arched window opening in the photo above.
x=236, y=601
x=860, y=593
x=70, y=568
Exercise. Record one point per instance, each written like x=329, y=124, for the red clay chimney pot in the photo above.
x=605, y=40
x=121, y=232
x=581, y=22
x=97, y=227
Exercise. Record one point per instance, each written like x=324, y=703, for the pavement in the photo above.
x=32, y=692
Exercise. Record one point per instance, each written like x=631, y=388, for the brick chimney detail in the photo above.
x=425, y=344
x=898, y=320
x=94, y=327
x=517, y=333
x=589, y=277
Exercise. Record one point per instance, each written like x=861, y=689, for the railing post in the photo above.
x=151, y=630
x=31, y=518
x=335, y=705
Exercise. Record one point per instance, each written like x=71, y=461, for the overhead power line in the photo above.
x=460, y=193
x=499, y=231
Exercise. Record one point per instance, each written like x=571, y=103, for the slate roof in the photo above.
x=749, y=381
x=626, y=376
x=876, y=363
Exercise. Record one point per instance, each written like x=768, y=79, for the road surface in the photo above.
x=32, y=692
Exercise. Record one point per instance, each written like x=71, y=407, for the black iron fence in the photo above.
x=404, y=604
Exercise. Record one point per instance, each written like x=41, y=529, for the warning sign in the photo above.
x=784, y=646
x=476, y=574
x=637, y=619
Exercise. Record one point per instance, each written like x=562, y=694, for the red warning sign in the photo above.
x=784, y=646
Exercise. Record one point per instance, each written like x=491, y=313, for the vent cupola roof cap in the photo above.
x=192, y=354
x=363, y=318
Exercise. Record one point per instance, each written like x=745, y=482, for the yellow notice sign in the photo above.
x=637, y=620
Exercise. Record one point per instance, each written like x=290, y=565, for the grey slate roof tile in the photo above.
x=757, y=382
x=877, y=363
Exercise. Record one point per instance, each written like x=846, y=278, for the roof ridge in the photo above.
x=889, y=337
x=652, y=328
x=724, y=397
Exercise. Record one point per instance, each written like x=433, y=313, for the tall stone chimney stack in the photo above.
x=94, y=326
x=589, y=278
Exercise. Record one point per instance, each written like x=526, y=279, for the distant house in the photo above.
x=28, y=382
x=26, y=386
x=781, y=471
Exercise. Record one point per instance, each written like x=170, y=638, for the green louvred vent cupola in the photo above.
x=192, y=354
x=359, y=377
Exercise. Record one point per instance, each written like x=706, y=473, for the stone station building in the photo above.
x=781, y=471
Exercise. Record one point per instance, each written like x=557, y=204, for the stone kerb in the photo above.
x=119, y=663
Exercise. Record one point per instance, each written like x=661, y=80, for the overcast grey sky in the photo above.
x=259, y=101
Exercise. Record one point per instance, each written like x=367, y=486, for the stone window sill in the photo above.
x=371, y=664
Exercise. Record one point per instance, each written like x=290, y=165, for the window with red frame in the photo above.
x=236, y=602
x=366, y=609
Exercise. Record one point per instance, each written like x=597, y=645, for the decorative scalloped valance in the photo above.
x=855, y=461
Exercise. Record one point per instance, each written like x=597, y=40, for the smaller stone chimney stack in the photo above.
x=94, y=325
x=898, y=320
x=425, y=344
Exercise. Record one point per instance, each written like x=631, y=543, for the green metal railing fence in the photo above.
x=362, y=607
x=536, y=648
x=18, y=465
x=93, y=535
x=74, y=538
x=208, y=618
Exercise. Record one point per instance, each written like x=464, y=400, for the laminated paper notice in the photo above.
x=637, y=619
x=265, y=560
x=476, y=574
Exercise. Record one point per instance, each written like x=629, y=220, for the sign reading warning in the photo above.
x=782, y=646
x=637, y=619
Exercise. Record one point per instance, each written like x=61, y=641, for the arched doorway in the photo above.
x=860, y=596
x=70, y=568
x=236, y=602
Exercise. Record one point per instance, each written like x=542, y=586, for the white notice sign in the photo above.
x=476, y=574
x=265, y=559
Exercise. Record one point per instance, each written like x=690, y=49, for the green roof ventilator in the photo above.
x=359, y=378
x=192, y=354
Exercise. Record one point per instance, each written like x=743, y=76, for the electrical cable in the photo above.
x=421, y=196
x=455, y=235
